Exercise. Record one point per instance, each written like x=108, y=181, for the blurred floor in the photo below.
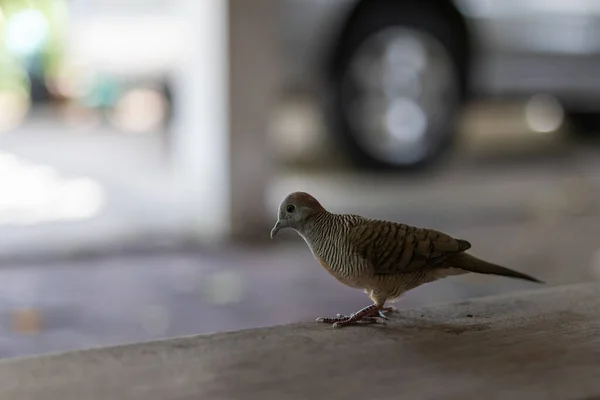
x=128, y=195
x=78, y=304
x=101, y=190
x=538, y=214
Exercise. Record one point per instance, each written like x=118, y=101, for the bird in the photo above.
x=383, y=258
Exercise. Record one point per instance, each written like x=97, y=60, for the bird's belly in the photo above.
x=348, y=280
x=394, y=286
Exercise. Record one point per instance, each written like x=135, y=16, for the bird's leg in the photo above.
x=341, y=317
x=366, y=314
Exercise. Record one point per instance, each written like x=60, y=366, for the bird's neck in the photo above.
x=318, y=228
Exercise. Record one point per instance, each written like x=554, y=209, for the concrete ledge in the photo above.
x=542, y=344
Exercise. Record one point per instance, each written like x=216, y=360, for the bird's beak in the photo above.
x=275, y=229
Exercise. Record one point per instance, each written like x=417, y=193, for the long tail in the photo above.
x=473, y=264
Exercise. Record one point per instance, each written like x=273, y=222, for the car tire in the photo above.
x=584, y=124
x=400, y=118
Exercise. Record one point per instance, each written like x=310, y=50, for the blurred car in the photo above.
x=391, y=75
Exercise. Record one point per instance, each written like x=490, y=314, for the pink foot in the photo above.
x=365, y=315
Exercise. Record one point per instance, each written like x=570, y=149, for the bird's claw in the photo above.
x=342, y=320
x=368, y=315
x=384, y=310
x=382, y=315
x=365, y=320
x=337, y=318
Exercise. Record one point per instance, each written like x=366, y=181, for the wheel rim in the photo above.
x=398, y=95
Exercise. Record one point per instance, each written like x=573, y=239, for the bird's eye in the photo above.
x=290, y=208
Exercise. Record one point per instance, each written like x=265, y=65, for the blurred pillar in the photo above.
x=222, y=103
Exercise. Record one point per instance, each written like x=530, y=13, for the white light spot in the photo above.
x=140, y=110
x=406, y=121
x=26, y=31
x=34, y=193
x=544, y=113
x=226, y=287
x=408, y=52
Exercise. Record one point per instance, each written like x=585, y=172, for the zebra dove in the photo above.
x=384, y=258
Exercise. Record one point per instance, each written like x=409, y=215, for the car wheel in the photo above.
x=398, y=86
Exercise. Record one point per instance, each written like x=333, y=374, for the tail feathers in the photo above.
x=463, y=245
x=474, y=264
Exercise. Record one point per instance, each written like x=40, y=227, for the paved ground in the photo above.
x=100, y=189
x=540, y=216
x=121, y=299
x=541, y=344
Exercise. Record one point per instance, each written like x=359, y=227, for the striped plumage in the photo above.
x=384, y=258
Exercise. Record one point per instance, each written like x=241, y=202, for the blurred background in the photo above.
x=477, y=118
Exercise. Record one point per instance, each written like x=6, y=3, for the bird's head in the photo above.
x=295, y=210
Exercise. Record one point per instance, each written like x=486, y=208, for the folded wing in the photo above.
x=393, y=248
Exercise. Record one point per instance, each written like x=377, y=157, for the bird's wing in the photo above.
x=393, y=248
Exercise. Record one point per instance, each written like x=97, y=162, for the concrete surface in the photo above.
x=538, y=215
x=119, y=298
x=542, y=344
